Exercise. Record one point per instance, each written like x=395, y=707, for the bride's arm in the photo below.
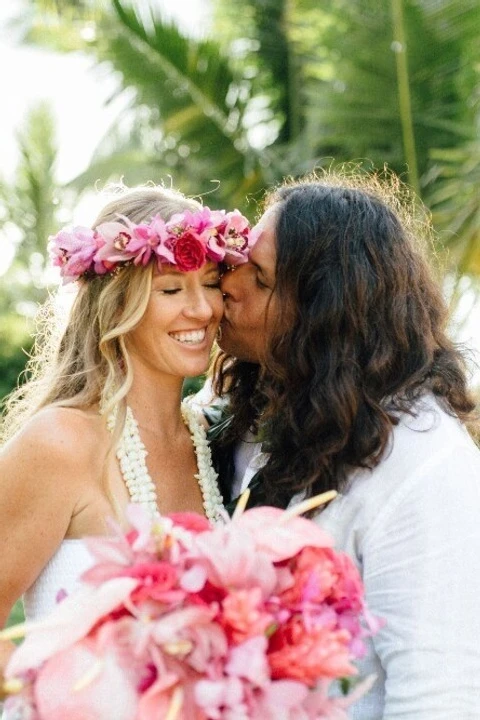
x=39, y=490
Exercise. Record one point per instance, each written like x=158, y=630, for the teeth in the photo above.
x=189, y=338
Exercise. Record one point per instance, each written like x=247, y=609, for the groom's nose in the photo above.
x=231, y=281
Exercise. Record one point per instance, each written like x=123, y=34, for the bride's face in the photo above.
x=176, y=333
x=251, y=304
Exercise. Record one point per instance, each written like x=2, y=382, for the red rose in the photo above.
x=189, y=252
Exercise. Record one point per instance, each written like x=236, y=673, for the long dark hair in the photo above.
x=367, y=337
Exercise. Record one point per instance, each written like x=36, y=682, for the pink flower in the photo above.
x=210, y=648
x=219, y=697
x=157, y=578
x=249, y=661
x=198, y=221
x=216, y=248
x=283, y=698
x=97, y=677
x=237, y=237
x=143, y=244
x=243, y=614
x=69, y=621
x=157, y=700
x=233, y=559
x=279, y=538
x=180, y=623
x=315, y=574
x=162, y=248
x=193, y=522
x=116, y=237
x=73, y=252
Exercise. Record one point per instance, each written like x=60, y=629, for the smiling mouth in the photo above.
x=190, y=337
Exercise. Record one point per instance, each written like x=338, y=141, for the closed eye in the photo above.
x=172, y=291
x=260, y=284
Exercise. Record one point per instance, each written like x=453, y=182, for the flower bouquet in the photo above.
x=257, y=618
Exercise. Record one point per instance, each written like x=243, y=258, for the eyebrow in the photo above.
x=179, y=273
x=169, y=272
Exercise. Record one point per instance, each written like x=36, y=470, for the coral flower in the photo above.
x=309, y=655
x=243, y=614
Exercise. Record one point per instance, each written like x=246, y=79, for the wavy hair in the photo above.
x=86, y=362
x=366, y=340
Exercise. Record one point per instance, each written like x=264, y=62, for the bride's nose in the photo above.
x=199, y=305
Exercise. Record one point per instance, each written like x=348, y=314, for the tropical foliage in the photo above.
x=280, y=87
x=30, y=206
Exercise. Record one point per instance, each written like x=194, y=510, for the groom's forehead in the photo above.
x=263, y=253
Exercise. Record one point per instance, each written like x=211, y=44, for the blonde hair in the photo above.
x=87, y=364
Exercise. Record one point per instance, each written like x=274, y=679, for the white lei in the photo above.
x=131, y=454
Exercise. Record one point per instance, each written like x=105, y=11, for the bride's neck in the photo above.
x=156, y=404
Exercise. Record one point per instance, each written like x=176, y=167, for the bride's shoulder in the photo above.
x=60, y=433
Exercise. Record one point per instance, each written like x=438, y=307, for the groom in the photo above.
x=333, y=329
x=339, y=375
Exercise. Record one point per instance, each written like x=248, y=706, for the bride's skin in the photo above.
x=52, y=474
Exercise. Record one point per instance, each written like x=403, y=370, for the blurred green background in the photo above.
x=275, y=88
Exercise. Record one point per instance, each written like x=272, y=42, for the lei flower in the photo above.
x=187, y=241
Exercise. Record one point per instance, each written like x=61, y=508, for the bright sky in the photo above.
x=75, y=87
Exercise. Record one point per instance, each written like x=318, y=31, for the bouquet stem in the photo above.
x=308, y=504
x=175, y=705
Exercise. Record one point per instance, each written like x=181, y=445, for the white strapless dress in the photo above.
x=61, y=573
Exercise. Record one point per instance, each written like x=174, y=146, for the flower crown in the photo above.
x=187, y=241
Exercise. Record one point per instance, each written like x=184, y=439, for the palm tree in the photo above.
x=286, y=85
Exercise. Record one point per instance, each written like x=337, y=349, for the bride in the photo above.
x=107, y=393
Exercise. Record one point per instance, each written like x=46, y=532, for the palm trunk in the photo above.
x=399, y=47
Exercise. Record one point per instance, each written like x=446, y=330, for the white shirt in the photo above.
x=412, y=527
